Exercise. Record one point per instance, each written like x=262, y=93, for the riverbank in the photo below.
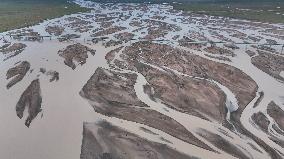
x=18, y=13
x=271, y=12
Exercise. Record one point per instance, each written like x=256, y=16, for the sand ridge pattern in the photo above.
x=142, y=81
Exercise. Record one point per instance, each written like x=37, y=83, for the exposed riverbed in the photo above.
x=56, y=131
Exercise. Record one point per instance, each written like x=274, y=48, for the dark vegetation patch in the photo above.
x=22, y=13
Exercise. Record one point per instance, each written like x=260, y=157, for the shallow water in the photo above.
x=58, y=134
x=57, y=131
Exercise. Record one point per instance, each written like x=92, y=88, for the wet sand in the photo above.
x=193, y=104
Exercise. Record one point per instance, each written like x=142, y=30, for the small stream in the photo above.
x=57, y=133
